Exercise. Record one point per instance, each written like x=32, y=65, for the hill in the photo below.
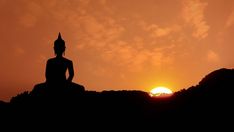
x=209, y=101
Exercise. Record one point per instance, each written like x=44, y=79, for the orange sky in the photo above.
x=116, y=44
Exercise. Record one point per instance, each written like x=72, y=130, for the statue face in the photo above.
x=59, y=50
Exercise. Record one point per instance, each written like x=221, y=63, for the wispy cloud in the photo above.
x=212, y=56
x=193, y=14
x=19, y=51
x=28, y=20
x=135, y=59
x=157, y=31
x=230, y=20
x=33, y=10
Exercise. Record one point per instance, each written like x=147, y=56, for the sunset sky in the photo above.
x=116, y=44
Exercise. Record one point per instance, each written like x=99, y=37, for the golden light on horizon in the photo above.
x=160, y=91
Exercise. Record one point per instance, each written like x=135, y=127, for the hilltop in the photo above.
x=210, y=100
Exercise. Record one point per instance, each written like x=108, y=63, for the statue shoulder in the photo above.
x=68, y=61
x=50, y=60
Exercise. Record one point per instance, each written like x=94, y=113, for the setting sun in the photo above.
x=160, y=91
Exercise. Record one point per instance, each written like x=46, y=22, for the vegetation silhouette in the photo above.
x=60, y=101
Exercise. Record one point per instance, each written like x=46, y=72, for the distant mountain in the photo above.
x=209, y=101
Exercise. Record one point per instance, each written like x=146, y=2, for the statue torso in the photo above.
x=56, y=69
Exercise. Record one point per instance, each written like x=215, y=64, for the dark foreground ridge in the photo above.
x=210, y=101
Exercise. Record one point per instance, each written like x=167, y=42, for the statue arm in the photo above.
x=70, y=71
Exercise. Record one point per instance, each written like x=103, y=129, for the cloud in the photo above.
x=123, y=55
x=135, y=58
x=119, y=53
x=193, y=14
x=41, y=59
x=230, y=20
x=160, y=32
x=98, y=34
x=33, y=11
x=212, y=57
x=103, y=2
x=19, y=51
x=28, y=20
x=157, y=32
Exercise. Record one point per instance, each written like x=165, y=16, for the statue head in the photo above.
x=59, y=46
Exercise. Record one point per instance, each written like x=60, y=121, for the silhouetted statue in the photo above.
x=56, y=69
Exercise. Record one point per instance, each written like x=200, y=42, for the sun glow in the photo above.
x=160, y=91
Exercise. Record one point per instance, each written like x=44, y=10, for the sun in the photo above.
x=160, y=91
